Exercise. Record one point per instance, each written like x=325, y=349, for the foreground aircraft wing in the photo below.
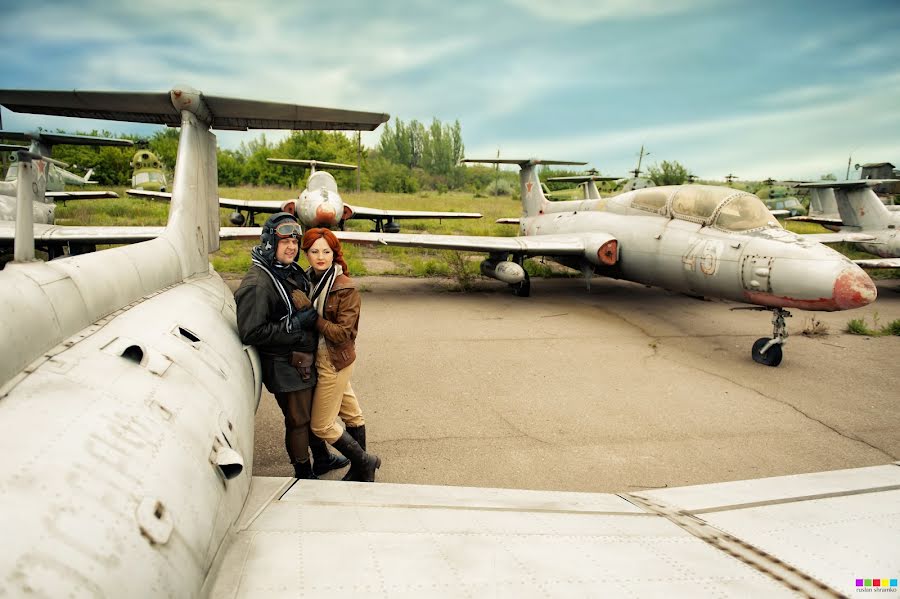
x=877, y=263
x=541, y=245
x=810, y=535
x=80, y=195
x=507, y=221
x=255, y=205
x=838, y=237
x=819, y=220
x=361, y=212
x=62, y=234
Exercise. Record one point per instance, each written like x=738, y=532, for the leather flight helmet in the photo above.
x=269, y=240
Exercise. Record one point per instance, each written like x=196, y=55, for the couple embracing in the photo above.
x=304, y=326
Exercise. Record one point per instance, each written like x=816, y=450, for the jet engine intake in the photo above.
x=503, y=270
x=602, y=250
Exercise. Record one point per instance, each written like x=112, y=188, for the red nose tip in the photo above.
x=325, y=215
x=854, y=289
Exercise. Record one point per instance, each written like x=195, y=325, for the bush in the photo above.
x=499, y=187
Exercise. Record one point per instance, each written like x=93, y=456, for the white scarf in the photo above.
x=323, y=287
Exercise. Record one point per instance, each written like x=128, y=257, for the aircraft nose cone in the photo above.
x=325, y=215
x=853, y=289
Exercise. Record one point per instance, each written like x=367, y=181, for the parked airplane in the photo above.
x=858, y=216
x=126, y=429
x=148, y=171
x=320, y=204
x=587, y=183
x=697, y=239
x=50, y=174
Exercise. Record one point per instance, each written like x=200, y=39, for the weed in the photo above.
x=813, y=327
x=891, y=328
x=858, y=326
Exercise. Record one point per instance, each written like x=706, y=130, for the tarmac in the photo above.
x=617, y=389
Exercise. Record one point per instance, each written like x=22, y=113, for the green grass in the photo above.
x=859, y=326
x=234, y=256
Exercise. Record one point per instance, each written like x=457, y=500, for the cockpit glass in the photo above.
x=651, y=200
x=141, y=178
x=321, y=179
x=743, y=213
x=699, y=202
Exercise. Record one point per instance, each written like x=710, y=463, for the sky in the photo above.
x=759, y=88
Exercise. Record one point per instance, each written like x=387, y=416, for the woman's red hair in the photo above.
x=313, y=235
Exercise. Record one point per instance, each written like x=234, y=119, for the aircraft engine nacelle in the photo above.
x=602, y=250
x=503, y=270
x=237, y=219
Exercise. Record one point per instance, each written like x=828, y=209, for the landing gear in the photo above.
x=769, y=351
x=522, y=289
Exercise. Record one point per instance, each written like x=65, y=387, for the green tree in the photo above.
x=668, y=173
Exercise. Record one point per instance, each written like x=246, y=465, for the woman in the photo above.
x=266, y=318
x=337, y=304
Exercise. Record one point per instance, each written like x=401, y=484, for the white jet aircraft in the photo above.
x=320, y=203
x=126, y=429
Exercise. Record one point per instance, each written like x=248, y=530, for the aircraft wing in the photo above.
x=60, y=234
x=838, y=237
x=540, y=245
x=507, y=221
x=810, y=535
x=819, y=220
x=877, y=263
x=80, y=195
x=361, y=212
x=255, y=205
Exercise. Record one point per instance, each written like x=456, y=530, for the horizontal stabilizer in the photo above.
x=313, y=164
x=583, y=178
x=523, y=161
x=855, y=184
x=158, y=108
x=62, y=138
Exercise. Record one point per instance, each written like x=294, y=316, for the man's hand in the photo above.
x=304, y=319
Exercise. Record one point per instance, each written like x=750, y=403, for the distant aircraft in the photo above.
x=856, y=213
x=50, y=174
x=320, y=204
x=697, y=239
x=148, y=171
x=587, y=183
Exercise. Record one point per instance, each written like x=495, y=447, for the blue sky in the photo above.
x=759, y=88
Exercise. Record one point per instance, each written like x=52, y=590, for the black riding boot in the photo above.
x=359, y=435
x=362, y=464
x=303, y=470
x=323, y=460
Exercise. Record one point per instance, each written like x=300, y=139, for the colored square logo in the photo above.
x=859, y=582
x=868, y=582
x=893, y=582
x=876, y=582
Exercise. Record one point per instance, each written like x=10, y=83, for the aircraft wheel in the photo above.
x=771, y=358
x=522, y=289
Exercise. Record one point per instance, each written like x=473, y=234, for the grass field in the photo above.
x=234, y=256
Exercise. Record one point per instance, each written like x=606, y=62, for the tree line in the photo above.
x=408, y=158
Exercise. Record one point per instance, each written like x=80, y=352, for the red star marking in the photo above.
x=528, y=186
x=41, y=165
x=862, y=211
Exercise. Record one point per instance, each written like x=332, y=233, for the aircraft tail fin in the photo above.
x=87, y=176
x=533, y=198
x=855, y=201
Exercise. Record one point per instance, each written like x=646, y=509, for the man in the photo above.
x=285, y=338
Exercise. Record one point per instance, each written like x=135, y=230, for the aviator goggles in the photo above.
x=288, y=229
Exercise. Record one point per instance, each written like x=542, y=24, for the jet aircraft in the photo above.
x=320, y=203
x=696, y=239
x=126, y=427
x=50, y=174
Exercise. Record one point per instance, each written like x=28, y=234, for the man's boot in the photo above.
x=362, y=464
x=303, y=470
x=359, y=435
x=323, y=460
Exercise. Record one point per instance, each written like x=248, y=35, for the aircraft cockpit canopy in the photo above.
x=721, y=207
x=322, y=179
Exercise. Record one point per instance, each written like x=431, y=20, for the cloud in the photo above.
x=580, y=12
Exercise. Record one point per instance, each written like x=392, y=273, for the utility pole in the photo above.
x=637, y=171
x=358, y=158
x=849, y=159
x=497, y=175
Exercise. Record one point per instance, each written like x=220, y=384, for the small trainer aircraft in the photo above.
x=320, y=203
x=696, y=239
x=50, y=175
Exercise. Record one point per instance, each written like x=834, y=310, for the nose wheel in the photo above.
x=767, y=350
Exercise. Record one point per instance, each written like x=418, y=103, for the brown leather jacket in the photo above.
x=341, y=322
